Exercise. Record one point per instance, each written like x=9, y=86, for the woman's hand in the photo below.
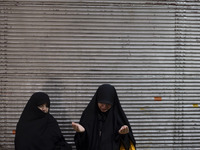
x=124, y=129
x=77, y=127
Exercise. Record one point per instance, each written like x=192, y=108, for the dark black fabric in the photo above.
x=37, y=130
x=102, y=128
x=106, y=94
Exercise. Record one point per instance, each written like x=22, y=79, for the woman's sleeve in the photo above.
x=124, y=139
x=63, y=145
x=81, y=140
x=56, y=135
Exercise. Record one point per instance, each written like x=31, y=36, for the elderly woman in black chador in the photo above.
x=103, y=124
x=37, y=129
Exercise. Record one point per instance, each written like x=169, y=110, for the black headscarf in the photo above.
x=37, y=130
x=107, y=124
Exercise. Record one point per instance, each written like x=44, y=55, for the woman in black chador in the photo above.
x=37, y=129
x=103, y=124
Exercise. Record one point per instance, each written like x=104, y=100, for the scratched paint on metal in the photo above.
x=158, y=98
x=195, y=105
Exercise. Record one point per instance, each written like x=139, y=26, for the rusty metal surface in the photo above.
x=148, y=49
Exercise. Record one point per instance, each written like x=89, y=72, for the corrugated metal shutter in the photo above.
x=148, y=49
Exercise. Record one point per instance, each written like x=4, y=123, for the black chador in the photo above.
x=101, y=128
x=37, y=130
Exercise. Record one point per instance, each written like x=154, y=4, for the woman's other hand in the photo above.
x=77, y=127
x=124, y=129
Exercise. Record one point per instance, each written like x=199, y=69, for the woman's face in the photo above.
x=44, y=108
x=104, y=107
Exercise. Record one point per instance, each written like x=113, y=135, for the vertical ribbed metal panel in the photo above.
x=148, y=49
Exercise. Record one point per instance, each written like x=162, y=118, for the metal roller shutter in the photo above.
x=147, y=49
